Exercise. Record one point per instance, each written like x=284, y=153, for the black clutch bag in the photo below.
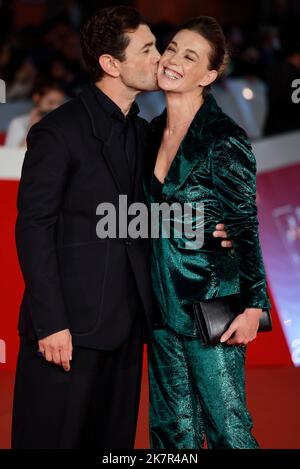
x=213, y=317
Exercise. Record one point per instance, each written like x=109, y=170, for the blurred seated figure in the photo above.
x=22, y=84
x=270, y=47
x=68, y=74
x=284, y=114
x=46, y=97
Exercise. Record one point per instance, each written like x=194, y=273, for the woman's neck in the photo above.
x=181, y=110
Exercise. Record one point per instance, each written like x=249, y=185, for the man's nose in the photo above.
x=157, y=56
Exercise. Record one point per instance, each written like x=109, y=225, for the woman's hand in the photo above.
x=243, y=328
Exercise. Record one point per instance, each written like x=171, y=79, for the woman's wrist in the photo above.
x=253, y=312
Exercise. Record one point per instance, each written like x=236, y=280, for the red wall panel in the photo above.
x=11, y=281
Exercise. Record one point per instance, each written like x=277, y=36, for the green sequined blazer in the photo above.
x=214, y=165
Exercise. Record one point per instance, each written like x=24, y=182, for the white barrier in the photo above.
x=11, y=160
x=271, y=153
x=277, y=152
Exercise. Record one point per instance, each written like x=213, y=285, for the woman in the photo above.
x=200, y=155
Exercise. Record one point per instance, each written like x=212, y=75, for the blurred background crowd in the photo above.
x=41, y=63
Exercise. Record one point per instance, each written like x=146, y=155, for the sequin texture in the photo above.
x=197, y=390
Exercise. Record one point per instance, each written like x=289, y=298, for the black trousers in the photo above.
x=94, y=405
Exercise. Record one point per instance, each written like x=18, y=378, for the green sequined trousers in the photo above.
x=197, y=391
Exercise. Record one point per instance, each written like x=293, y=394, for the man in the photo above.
x=87, y=301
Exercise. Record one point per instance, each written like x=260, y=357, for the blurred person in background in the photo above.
x=23, y=80
x=51, y=50
x=69, y=75
x=17, y=69
x=283, y=113
x=270, y=45
x=5, y=58
x=46, y=97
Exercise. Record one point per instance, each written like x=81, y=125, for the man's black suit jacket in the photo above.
x=73, y=279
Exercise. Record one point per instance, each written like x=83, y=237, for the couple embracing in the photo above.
x=90, y=304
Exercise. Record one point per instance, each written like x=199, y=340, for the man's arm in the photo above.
x=42, y=184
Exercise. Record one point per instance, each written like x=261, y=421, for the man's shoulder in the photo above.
x=67, y=121
x=69, y=111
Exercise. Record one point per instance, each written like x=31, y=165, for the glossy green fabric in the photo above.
x=197, y=391
x=214, y=165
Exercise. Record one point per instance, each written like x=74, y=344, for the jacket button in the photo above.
x=128, y=242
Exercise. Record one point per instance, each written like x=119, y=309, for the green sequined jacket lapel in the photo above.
x=193, y=146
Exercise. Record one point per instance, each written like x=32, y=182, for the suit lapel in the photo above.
x=118, y=166
x=103, y=131
x=153, y=143
x=193, y=148
x=140, y=158
x=189, y=154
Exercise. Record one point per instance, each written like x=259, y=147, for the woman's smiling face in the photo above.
x=184, y=66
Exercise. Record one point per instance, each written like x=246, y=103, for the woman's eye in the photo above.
x=189, y=58
x=147, y=51
x=171, y=49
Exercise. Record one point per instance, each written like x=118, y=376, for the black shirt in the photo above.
x=156, y=188
x=123, y=127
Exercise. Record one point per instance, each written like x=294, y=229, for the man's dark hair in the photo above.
x=105, y=33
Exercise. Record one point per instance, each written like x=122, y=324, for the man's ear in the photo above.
x=209, y=78
x=110, y=65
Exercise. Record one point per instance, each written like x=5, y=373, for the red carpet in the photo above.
x=273, y=399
